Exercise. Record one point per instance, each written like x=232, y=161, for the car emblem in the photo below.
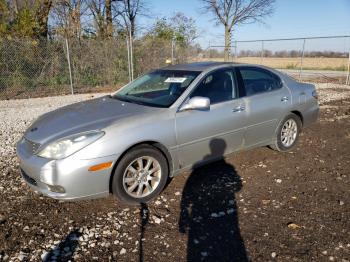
x=33, y=129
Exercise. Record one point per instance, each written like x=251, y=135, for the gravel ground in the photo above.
x=257, y=205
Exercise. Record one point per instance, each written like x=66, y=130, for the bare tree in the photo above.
x=236, y=12
x=101, y=11
x=128, y=10
x=97, y=9
x=42, y=16
x=109, y=18
x=67, y=16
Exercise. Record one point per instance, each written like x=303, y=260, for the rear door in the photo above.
x=267, y=102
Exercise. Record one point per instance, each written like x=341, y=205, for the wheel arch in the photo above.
x=299, y=114
x=159, y=146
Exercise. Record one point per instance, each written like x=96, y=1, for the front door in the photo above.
x=205, y=135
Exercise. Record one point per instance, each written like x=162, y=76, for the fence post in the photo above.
x=209, y=48
x=236, y=51
x=131, y=55
x=172, y=50
x=348, y=75
x=262, y=52
x=69, y=67
x=301, y=59
x=128, y=51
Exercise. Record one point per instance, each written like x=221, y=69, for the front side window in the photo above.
x=257, y=80
x=218, y=87
x=160, y=88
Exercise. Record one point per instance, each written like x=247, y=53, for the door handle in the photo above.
x=284, y=99
x=238, y=109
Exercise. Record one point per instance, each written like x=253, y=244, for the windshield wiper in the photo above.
x=128, y=100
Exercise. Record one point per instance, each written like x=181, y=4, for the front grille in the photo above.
x=31, y=146
x=28, y=178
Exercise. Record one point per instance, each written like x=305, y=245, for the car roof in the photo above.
x=198, y=66
x=210, y=65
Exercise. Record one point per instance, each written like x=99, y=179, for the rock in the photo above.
x=22, y=256
x=44, y=255
x=279, y=181
x=122, y=251
x=273, y=254
x=2, y=219
x=214, y=215
x=293, y=226
x=204, y=254
x=26, y=229
x=156, y=220
x=177, y=193
x=230, y=211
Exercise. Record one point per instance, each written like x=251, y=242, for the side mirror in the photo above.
x=196, y=103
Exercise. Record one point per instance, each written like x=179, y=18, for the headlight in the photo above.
x=69, y=145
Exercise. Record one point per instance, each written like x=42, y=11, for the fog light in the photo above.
x=56, y=189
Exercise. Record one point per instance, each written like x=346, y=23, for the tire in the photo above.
x=280, y=143
x=130, y=180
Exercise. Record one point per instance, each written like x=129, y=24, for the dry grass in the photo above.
x=321, y=63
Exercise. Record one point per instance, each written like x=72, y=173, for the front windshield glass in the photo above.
x=159, y=88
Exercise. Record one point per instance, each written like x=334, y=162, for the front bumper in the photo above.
x=70, y=175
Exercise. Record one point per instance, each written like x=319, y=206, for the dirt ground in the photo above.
x=257, y=205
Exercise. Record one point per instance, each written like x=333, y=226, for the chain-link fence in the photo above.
x=325, y=59
x=32, y=68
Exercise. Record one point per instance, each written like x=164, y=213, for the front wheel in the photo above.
x=287, y=133
x=140, y=175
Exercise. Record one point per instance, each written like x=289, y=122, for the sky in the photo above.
x=292, y=18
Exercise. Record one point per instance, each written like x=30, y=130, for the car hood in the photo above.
x=84, y=116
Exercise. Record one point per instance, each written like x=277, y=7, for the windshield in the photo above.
x=159, y=88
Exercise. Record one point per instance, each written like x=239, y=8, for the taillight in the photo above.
x=314, y=94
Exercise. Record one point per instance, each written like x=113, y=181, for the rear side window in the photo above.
x=258, y=80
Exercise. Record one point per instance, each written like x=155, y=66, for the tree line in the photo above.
x=98, y=19
x=292, y=53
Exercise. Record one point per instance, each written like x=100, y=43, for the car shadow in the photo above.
x=65, y=249
x=144, y=217
x=209, y=210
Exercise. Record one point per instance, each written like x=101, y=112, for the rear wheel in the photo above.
x=287, y=133
x=140, y=175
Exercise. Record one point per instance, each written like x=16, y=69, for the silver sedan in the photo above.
x=169, y=120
